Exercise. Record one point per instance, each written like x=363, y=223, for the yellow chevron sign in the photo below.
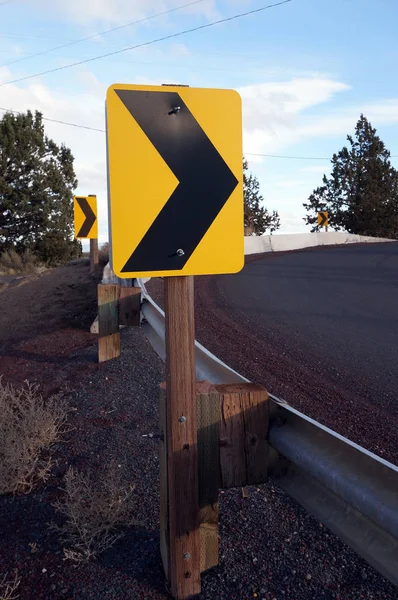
x=323, y=218
x=175, y=180
x=85, y=212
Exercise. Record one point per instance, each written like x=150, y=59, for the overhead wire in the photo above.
x=95, y=35
x=149, y=43
x=56, y=121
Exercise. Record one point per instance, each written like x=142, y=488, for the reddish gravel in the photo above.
x=270, y=547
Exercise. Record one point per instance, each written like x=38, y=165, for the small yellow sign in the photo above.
x=86, y=222
x=323, y=218
x=175, y=180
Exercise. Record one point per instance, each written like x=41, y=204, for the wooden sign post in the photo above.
x=191, y=223
x=181, y=439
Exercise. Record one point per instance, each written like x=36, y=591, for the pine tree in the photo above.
x=37, y=180
x=361, y=195
x=257, y=217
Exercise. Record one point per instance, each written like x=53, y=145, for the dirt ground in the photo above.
x=44, y=321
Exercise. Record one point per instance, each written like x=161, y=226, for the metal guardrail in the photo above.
x=350, y=490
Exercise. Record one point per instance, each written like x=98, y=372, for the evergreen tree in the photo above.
x=257, y=217
x=361, y=194
x=37, y=180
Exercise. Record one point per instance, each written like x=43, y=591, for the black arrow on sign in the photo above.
x=90, y=218
x=324, y=218
x=205, y=180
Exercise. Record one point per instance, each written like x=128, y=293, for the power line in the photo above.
x=143, y=44
x=90, y=37
x=245, y=153
x=56, y=121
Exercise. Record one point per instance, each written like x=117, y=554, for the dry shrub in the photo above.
x=8, y=587
x=12, y=262
x=103, y=255
x=95, y=510
x=29, y=425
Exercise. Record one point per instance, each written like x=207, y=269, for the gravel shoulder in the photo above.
x=270, y=549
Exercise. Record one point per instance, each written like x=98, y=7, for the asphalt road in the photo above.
x=318, y=327
x=339, y=305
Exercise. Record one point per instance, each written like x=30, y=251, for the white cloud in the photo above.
x=341, y=122
x=180, y=50
x=277, y=114
x=119, y=11
x=271, y=110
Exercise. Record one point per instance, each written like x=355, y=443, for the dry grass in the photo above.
x=8, y=587
x=29, y=426
x=103, y=255
x=12, y=262
x=95, y=510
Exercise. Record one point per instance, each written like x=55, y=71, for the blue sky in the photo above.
x=305, y=71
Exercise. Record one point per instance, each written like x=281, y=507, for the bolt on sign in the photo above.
x=175, y=182
x=85, y=214
x=323, y=218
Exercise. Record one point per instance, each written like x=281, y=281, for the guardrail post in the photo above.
x=243, y=434
x=93, y=255
x=208, y=420
x=129, y=306
x=108, y=322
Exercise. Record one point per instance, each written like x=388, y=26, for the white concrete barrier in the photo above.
x=257, y=244
x=279, y=243
x=336, y=237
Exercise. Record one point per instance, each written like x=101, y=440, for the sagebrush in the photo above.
x=94, y=510
x=12, y=262
x=29, y=426
x=9, y=586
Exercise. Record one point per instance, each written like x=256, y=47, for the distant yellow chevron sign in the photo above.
x=323, y=218
x=85, y=213
x=175, y=180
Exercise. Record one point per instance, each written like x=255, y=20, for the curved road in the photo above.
x=318, y=327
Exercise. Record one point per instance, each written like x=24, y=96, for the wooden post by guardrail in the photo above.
x=117, y=305
x=93, y=255
x=108, y=322
x=208, y=420
x=243, y=434
x=232, y=448
x=129, y=306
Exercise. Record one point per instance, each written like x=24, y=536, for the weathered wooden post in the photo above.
x=93, y=255
x=181, y=438
x=108, y=321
